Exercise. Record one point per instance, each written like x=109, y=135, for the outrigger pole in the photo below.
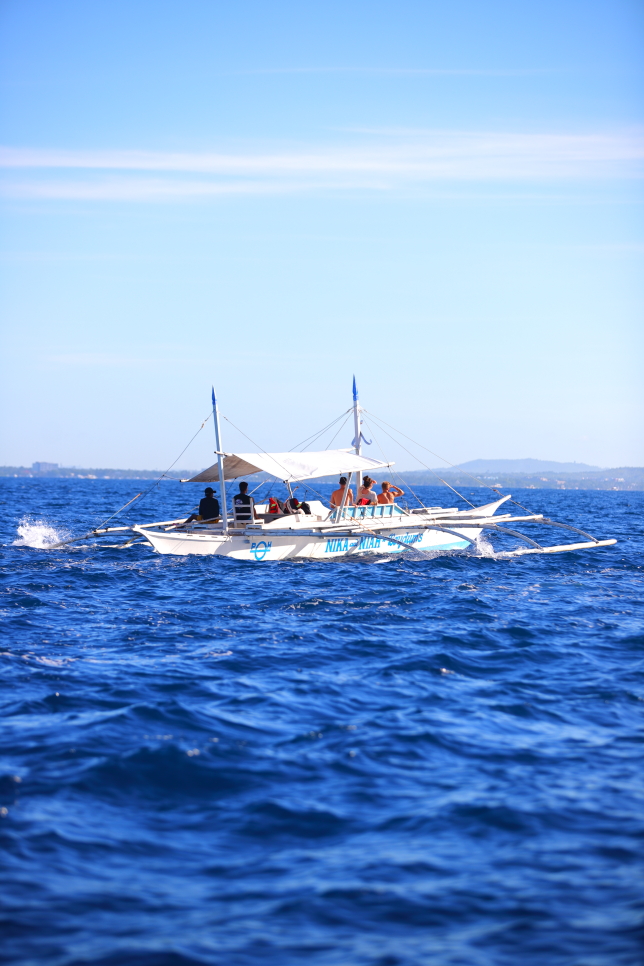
x=220, y=463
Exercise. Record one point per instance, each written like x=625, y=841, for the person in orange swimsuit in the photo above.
x=389, y=492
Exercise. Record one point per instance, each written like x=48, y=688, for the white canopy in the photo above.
x=289, y=466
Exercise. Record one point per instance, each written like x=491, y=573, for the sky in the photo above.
x=443, y=198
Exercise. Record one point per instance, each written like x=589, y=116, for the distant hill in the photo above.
x=524, y=466
x=618, y=478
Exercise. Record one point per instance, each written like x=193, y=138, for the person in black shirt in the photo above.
x=243, y=504
x=208, y=507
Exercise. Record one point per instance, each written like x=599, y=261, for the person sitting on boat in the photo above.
x=208, y=508
x=389, y=492
x=366, y=495
x=243, y=504
x=337, y=495
x=293, y=505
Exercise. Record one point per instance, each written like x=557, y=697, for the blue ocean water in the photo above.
x=391, y=761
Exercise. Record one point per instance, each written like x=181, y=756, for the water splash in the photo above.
x=484, y=546
x=38, y=534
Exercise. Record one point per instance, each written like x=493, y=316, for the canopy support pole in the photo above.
x=340, y=510
x=220, y=463
x=358, y=432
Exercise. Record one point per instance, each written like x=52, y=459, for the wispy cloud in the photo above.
x=383, y=159
x=148, y=189
x=84, y=359
x=107, y=360
x=404, y=71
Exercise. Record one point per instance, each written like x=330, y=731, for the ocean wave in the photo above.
x=437, y=760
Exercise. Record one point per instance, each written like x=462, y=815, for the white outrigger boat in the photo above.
x=328, y=533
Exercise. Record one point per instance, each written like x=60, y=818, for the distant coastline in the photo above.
x=617, y=478
x=76, y=472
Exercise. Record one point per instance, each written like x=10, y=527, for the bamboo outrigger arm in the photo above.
x=121, y=546
x=454, y=533
x=103, y=532
x=560, y=549
x=92, y=535
x=408, y=546
x=566, y=526
x=488, y=526
x=539, y=518
x=535, y=547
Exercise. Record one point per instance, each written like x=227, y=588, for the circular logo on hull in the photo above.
x=259, y=550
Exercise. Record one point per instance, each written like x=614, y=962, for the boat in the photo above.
x=316, y=531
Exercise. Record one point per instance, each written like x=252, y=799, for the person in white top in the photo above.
x=366, y=496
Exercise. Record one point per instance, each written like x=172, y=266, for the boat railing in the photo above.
x=372, y=512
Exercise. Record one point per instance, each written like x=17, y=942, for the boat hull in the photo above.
x=264, y=547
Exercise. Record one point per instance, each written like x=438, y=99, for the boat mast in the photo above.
x=358, y=433
x=220, y=463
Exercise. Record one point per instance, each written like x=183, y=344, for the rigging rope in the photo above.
x=256, y=445
x=313, y=490
x=144, y=493
x=139, y=496
x=339, y=431
x=394, y=473
x=418, y=458
x=453, y=465
x=321, y=432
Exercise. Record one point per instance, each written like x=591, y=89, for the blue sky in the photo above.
x=445, y=199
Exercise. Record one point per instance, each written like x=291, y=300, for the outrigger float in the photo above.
x=328, y=533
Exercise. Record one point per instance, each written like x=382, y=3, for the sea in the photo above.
x=377, y=761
